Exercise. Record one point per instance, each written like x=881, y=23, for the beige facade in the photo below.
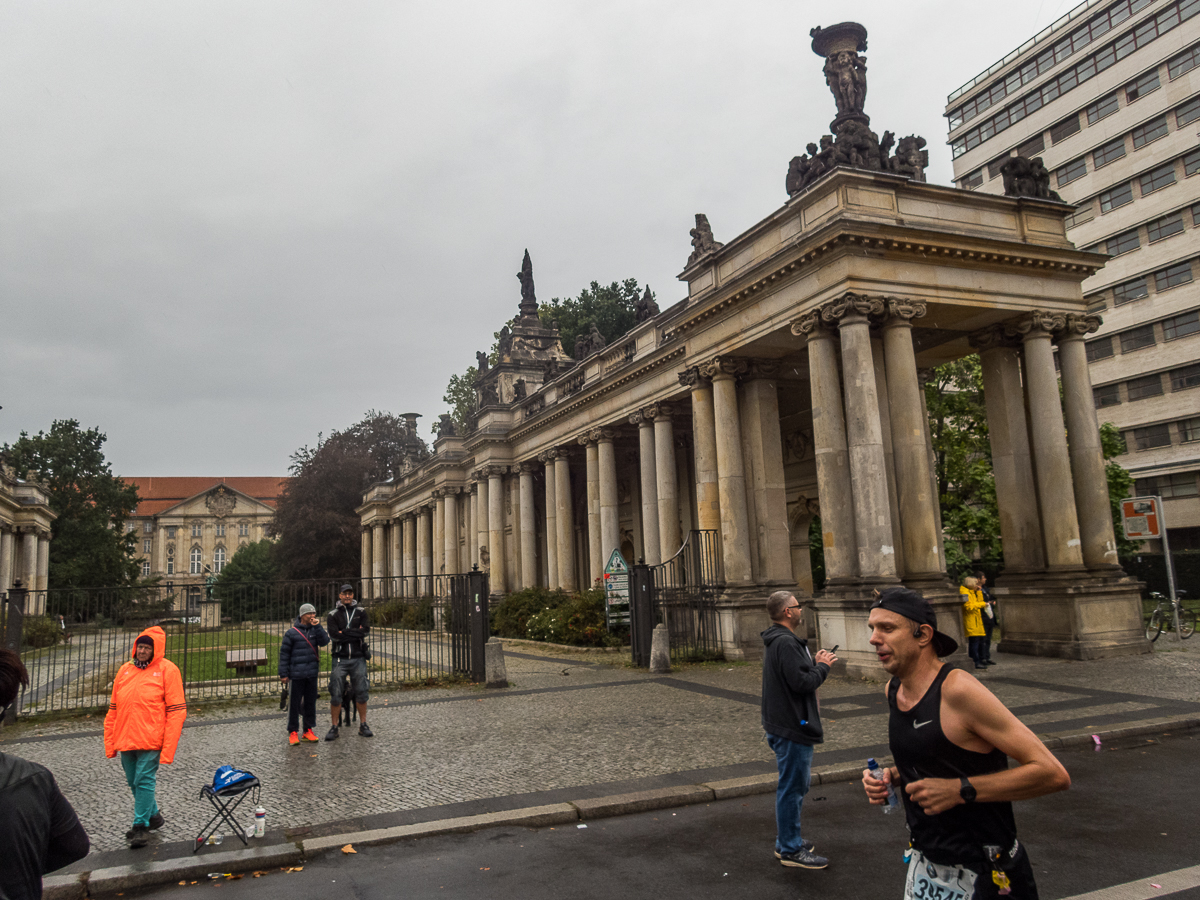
x=25, y=523
x=1109, y=97
x=787, y=384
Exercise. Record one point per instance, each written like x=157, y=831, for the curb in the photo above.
x=115, y=879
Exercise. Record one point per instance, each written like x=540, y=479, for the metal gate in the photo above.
x=682, y=594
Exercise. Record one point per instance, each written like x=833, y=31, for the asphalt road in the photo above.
x=1131, y=814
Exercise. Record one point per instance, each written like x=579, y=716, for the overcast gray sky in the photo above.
x=228, y=226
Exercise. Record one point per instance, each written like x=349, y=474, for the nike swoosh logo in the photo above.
x=921, y=724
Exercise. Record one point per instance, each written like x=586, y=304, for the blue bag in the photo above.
x=228, y=776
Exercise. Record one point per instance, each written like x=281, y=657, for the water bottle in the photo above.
x=877, y=773
x=260, y=821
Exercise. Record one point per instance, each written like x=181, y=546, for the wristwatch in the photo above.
x=967, y=791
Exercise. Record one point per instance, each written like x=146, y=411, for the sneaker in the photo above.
x=332, y=734
x=804, y=845
x=979, y=666
x=293, y=738
x=156, y=821
x=139, y=836
x=804, y=859
x=365, y=730
x=311, y=735
x=989, y=662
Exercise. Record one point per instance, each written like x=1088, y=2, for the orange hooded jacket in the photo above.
x=147, y=708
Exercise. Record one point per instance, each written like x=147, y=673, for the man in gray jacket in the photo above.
x=791, y=676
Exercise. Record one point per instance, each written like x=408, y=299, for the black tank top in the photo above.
x=921, y=750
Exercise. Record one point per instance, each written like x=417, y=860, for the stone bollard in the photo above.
x=493, y=660
x=660, y=651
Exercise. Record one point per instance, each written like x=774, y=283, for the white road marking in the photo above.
x=1142, y=889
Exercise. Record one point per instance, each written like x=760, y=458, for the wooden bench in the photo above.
x=246, y=660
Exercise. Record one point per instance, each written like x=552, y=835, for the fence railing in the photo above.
x=225, y=638
x=683, y=596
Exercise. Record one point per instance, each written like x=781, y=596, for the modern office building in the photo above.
x=1109, y=98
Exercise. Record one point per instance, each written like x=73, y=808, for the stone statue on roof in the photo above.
x=702, y=239
x=529, y=306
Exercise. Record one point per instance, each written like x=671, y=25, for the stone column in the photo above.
x=1051, y=461
x=450, y=528
x=595, y=543
x=438, y=546
x=610, y=523
x=565, y=522
x=829, y=451
x=651, y=545
x=396, y=551
x=425, y=549
x=43, y=566
x=512, y=513
x=765, y=443
x=1012, y=461
x=6, y=560
x=1087, y=456
x=889, y=459
x=708, y=505
x=910, y=447
x=365, y=567
x=473, y=524
x=529, y=574
x=864, y=437
x=552, y=580
x=481, y=524
x=801, y=549
x=498, y=581
x=731, y=473
x=378, y=559
x=666, y=476
x=410, y=554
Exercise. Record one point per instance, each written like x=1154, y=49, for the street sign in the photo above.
x=1142, y=518
x=616, y=590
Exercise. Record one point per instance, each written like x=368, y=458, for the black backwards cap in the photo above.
x=346, y=587
x=912, y=605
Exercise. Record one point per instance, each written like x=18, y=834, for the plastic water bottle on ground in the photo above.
x=877, y=773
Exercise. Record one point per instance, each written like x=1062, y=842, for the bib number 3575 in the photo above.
x=930, y=881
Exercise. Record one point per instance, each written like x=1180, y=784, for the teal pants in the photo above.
x=141, y=772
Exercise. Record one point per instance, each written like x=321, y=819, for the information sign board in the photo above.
x=1142, y=518
x=616, y=590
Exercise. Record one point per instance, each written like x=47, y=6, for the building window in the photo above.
x=171, y=529
x=1141, y=388
x=1182, y=484
x=170, y=565
x=1130, y=290
x=1184, y=62
x=1189, y=430
x=1071, y=172
x=1136, y=339
x=1032, y=147
x=1065, y=129
x=1191, y=163
x=1149, y=132
x=145, y=568
x=196, y=562
x=130, y=527
x=1116, y=197
x=1181, y=325
x=218, y=560
x=1186, y=377
x=220, y=530
x=1157, y=179
x=1141, y=86
x=1173, y=276
x=1108, y=395
x=1106, y=153
x=1152, y=436
x=197, y=530
x=146, y=545
x=1167, y=226
x=243, y=530
x=1122, y=243
x=1195, y=214
x=1102, y=109
x=147, y=528
x=1187, y=113
x=1100, y=348
x=972, y=181
x=996, y=164
x=1082, y=215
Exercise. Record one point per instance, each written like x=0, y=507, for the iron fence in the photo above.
x=225, y=638
x=684, y=597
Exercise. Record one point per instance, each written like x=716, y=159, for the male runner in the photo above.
x=951, y=739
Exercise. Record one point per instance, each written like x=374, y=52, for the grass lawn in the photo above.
x=204, y=659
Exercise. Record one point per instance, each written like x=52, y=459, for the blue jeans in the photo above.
x=141, y=773
x=795, y=764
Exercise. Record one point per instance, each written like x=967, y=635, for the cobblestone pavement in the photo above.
x=578, y=721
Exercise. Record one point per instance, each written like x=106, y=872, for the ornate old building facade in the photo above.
x=25, y=522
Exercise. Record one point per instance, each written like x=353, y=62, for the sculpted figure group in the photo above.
x=857, y=147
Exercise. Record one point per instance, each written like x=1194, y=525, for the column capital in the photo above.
x=548, y=456
x=899, y=312
x=639, y=418
x=992, y=337
x=810, y=326
x=692, y=379
x=492, y=471
x=1077, y=326
x=763, y=368
x=525, y=467
x=724, y=367
x=437, y=493
x=658, y=411
x=597, y=435
x=1038, y=323
x=851, y=306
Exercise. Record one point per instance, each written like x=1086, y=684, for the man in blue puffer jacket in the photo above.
x=300, y=663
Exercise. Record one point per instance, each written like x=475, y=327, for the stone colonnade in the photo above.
x=24, y=557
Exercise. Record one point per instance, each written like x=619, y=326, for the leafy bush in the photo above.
x=40, y=631
x=510, y=617
x=415, y=615
x=555, y=617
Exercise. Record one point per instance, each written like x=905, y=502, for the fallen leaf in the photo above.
x=260, y=874
x=349, y=848
x=485, y=868
x=235, y=877
x=183, y=882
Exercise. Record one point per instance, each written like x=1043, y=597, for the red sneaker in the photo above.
x=293, y=738
x=309, y=736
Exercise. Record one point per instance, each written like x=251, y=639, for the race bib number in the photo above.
x=929, y=881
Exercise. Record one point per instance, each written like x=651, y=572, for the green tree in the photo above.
x=1120, y=485
x=245, y=584
x=89, y=545
x=611, y=308
x=462, y=399
x=318, y=530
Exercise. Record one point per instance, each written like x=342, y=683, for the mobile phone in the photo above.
x=835, y=646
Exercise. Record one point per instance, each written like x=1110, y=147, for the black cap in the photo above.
x=912, y=605
x=144, y=639
x=346, y=587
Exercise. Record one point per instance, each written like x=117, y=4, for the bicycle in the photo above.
x=1162, y=618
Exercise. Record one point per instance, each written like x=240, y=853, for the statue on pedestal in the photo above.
x=702, y=239
x=528, y=307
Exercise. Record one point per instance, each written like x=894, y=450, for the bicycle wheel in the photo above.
x=1154, y=626
x=1187, y=623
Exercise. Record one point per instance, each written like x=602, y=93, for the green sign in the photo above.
x=616, y=590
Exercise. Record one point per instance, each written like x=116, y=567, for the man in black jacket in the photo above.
x=791, y=676
x=348, y=627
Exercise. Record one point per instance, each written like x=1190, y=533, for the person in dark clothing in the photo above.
x=39, y=831
x=349, y=626
x=300, y=663
x=791, y=676
x=989, y=618
x=951, y=740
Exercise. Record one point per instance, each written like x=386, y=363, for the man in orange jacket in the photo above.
x=144, y=721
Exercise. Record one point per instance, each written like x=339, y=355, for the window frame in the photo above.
x=1151, y=437
x=1156, y=230
x=1149, y=132
x=1125, y=242
x=1171, y=327
x=1157, y=179
x=1144, y=381
x=1112, y=194
x=1108, y=150
x=1146, y=83
x=1165, y=279
x=1139, y=338
x=1120, y=299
